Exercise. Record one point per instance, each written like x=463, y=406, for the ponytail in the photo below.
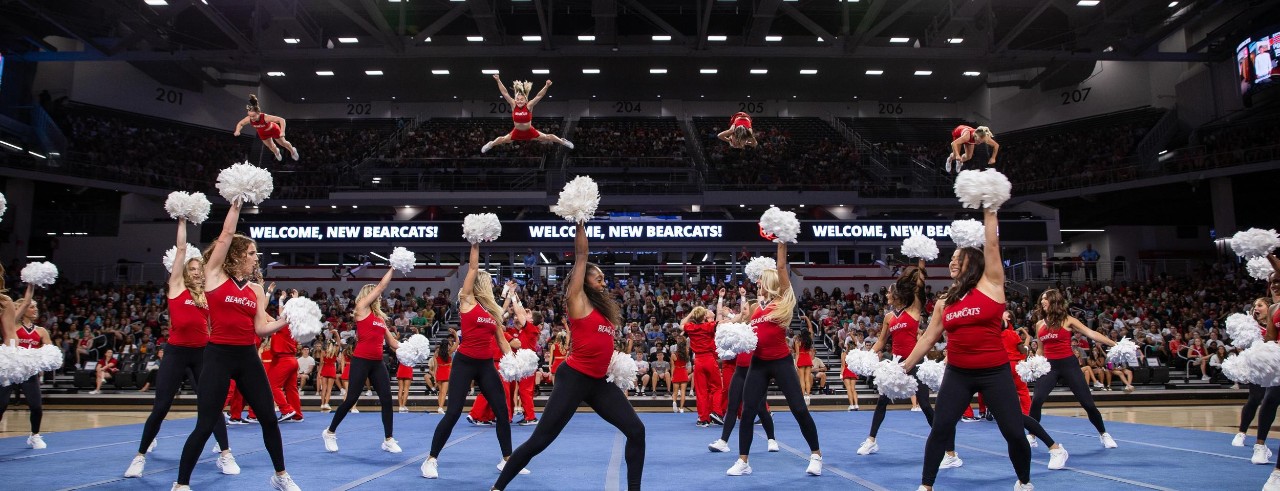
x=253, y=104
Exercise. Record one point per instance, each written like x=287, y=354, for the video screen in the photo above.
x=1256, y=62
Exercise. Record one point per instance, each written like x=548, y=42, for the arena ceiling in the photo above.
x=186, y=42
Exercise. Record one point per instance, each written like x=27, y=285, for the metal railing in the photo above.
x=1073, y=270
x=622, y=164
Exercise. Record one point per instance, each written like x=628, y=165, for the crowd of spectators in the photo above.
x=782, y=161
x=1081, y=156
x=451, y=139
x=620, y=140
x=1231, y=144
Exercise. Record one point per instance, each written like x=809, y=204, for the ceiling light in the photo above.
x=591, y=71
x=661, y=37
x=717, y=38
x=475, y=39
x=773, y=39
x=540, y=71
x=304, y=98
x=275, y=74
x=10, y=145
x=709, y=70
x=531, y=38
x=972, y=74
x=439, y=72
x=657, y=70
x=324, y=73
x=373, y=73
x=875, y=72
x=955, y=40
x=759, y=71
x=1173, y=4
x=292, y=40
x=489, y=71
x=348, y=40
x=924, y=72
x=586, y=37
x=820, y=39
x=1088, y=3
x=354, y=206
x=427, y=40
x=157, y=3
x=284, y=206
x=808, y=71
x=36, y=155
x=348, y=98
x=307, y=206
x=899, y=40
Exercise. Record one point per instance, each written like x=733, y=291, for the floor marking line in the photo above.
x=826, y=467
x=1156, y=445
x=401, y=465
x=43, y=454
x=613, y=476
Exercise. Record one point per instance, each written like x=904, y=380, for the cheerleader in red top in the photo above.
x=594, y=315
x=283, y=369
x=1262, y=314
x=772, y=359
x=1054, y=331
x=328, y=373
x=270, y=129
x=344, y=379
x=739, y=134
x=522, y=116
x=526, y=337
x=183, y=353
x=968, y=138
x=479, y=328
x=849, y=379
x=679, y=374
x=802, y=350
x=901, y=329
x=238, y=315
x=739, y=367
x=441, y=365
x=27, y=335
x=366, y=364
x=1271, y=396
x=700, y=328
x=557, y=350
x=970, y=312
x=404, y=378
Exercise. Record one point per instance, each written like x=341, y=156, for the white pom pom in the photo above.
x=414, y=351
x=1234, y=369
x=40, y=274
x=1243, y=330
x=45, y=358
x=1259, y=268
x=734, y=338
x=518, y=365
x=4, y=205
x=892, y=382
x=245, y=183
x=757, y=265
x=622, y=371
x=861, y=362
x=401, y=260
x=783, y=225
x=1032, y=368
x=1259, y=365
x=15, y=366
x=968, y=233
x=930, y=374
x=1125, y=352
x=304, y=318
x=920, y=246
x=1255, y=242
x=481, y=227
x=193, y=252
x=578, y=200
x=986, y=188
x=193, y=207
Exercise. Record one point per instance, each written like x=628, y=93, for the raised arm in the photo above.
x=466, y=292
x=995, y=150
x=503, y=89
x=213, y=264
x=928, y=338
x=363, y=304
x=179, y=258
x=21, y=307
x=1096, y=336
x=994, y=273
x=579, y=307
x=538, y=98
x=784, y=273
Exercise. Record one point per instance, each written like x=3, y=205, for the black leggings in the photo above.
x=179, y=363
x=465, y=370
x=376, y=373
x=958, y=386
x=735, y=403
x=1267, y=412
x=782, y=370
x=922, y=397
x=31, y=390
x=573, y=388
x=222, y=364
x=1068, y=370
x=1250, y=408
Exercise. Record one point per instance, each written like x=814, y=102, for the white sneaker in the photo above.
x=1273, y=482
x=215, y=448
x=815, y=465
x=852, y=407
x=1261, y=454
x=330, y=440
x=440, y=410
x=568, y=143
x=391, y=445
x=718, y=446
x=1238, y=441
x=368, y=393
x=773, y=445
x=95, y=392
x=674, y=407
x=922, y=488
x=1031, y=440
x=951, y=157
x=135, y=467
x=355, y=411
x=806, y=400
x=950, y=461
x=740, y=468
x=180, y=487
x=294, y=154
x=227, y=464
x=1057, y=458
x=279, y=157
x=486, y=147
x=1205, y=378
x=404, y=409
x=429, y=469
x=36, y=442
x=1097, y=384
x=503, y=464
x=283, y=482
x=152, y=446
x=916, y=409
x=1020, y=486
x=868, y=447
x=1107, y=441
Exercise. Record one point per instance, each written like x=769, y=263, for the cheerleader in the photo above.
x=527, y=338
x=700, y=329
x=968, y=138
x=679, y=374
x=440, y=365
x=1054, y=332
x=772, y=359
x=480, y=328
x=557, y=352
x=183, y=354
x=283, y=370
x=238, y=315
x=344, y=379
x=739, y=134
x=366, y=364
x=1261, y=313
x=740, y=366
x=328, y=373
x=404, y=378
x=522, y=116
x=849, y=378
x=1271, y=395
x=27, y=335
x=901, y=328
x=594, y=316
x=802, y=350
x=270, y=129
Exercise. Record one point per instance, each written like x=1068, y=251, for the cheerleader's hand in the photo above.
x=906, y=367
x=237, y=132
x=548, y=83
x=766, y=235
x=992, y=161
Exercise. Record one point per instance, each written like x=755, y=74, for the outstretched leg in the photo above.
x=501, y=140
x=293, y=151
x=271, y=145
x=548, y=137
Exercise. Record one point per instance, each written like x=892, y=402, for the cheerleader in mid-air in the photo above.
x=270, y=129
x=522, y=116
x=969, y=137
x=739, y=134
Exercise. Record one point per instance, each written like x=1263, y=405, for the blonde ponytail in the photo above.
x=522, y=87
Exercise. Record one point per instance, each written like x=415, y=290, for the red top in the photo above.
x=330, y=363
x=109, y=364
x=903, y=332
x=741, y=119
x=529, y=336
x=702, y=337
x=591, y=344
x=232, y=307
x=973, y=328
x=188, y=323
x=496, y=349
x=476, y=337
x=521, y=114
x=370, y=336
x=1055, y=342
x=29, y=337
x=1275, y=320
x=283, y=344
x=264, y=127
x=743, y=360
x=1011, y=343
x=771, y=339
x=956, y=133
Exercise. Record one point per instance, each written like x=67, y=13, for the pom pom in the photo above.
x=757, y=265
x=968, y=233
x=40, y=274
x=919, y=246
x=45, y=358
x=930, y=373
x=734, y=338
x=578, y=200
x=401, y=260
x=15, y=366
x=481, y=227
x=892, y=382
x=245, y=183
x=4, y=205
x=1255, y=242
x=192, y=207
x=304, y=318
x=783, y=225
x=1243, y=330
x=1258, y=365
x=193, y=252
x=1235, y=370
x=518, y=365
x=862, y=362
x=1032, y=368
x=982, y=188
x=414, y=351
x=1125, y=352
x=1259, y=268
x=622, y=371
